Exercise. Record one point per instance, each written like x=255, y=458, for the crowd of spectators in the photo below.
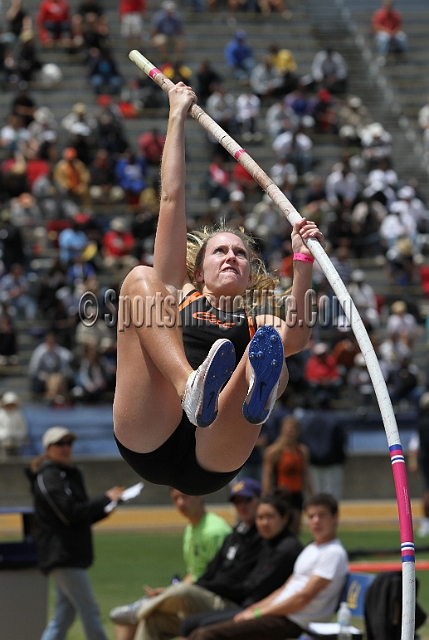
x=57, y=175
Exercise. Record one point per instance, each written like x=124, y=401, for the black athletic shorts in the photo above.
x=174, y=464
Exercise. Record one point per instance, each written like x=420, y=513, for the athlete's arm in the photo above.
x=170, y=240
x=295, y=330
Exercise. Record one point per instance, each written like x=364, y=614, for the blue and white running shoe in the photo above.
x=200, y=402
x=266, y=357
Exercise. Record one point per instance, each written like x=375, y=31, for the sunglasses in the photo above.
x=241, y=500
x=64, y=443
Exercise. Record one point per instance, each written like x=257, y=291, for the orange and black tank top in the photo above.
x=203, y=324
x=290, y=470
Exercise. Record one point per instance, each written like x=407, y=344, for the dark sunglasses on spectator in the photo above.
x=241, y=500
x=64, y=443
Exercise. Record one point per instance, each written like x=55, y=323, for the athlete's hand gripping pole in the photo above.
x=380, y=388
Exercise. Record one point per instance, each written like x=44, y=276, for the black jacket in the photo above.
x=64, y=516
x=273, y=567
x=234, y=560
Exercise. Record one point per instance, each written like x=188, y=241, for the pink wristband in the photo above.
x=302, y=257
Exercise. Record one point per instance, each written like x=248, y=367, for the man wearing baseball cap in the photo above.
x=64, y=515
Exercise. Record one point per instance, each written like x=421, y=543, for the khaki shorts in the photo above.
x=131, y=25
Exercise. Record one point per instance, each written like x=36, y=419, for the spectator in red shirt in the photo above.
x=151, y=145
x=131, y=14
x=53, y=20
x=322, y=374
x=118, y=245
x=387, y=29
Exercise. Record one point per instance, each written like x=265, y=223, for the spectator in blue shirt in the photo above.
x=239, y=56
x=167, y=30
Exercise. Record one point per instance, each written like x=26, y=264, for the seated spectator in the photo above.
x=13, y=425
x=8, y=341
x=151, y=145
x=14, y=133
x=284, y=61
x=221, y=107
x=392, y=350
x=15, y=290
x=396, y=226
x=401, y=322
x=110, y=131
x=23, y=104
x=167, y=31
x=203, y=537
x=376, y=145
x=103, y=72
x=131, y=13
x=239, y=56
x=280, y=118
x=402, y=381
x=364, y=298
x=296, y=147
x=248, y=108
x=300, y=101
x=103, y=187
x=329, y=71
x=283, y=171
x=118, y=246
x=235, y=211
x=12, y=243
x=218, y=180
x=243, y=179
x=286, y=465
x=50, y=370
x=27, y=62
x=53, y=21
x=24, y=212
x=344, y=353
x=43, y=130
x=79, y=115
x=266, y=80
x=207, y=78
x=322, y=375
x=342, y=185
x=73, y=240
x=359, y=380
x=411, y=205
x=91, y=378
x=387, y=29
x=18, y=20
x=317, y=581
x=131, y=173
x=325, y=113
x=72, y=177
x=400, y=261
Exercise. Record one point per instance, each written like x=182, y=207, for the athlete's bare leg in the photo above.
x=152, y=367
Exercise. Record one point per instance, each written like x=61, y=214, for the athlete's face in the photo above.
x=226, y=268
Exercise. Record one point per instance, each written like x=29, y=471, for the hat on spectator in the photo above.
x=55, y=434
x=406, y=193
x=168, y=5
x=236, y=196
x=10, y=398
x=399, y=307
x=118, y=224
x=246, y=488
x=79, y=108
x=81, y=218
x=320, y=349
x=240, y=34
x=359, y=360
x=358, y=275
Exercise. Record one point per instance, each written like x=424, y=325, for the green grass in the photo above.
x=126, y=561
